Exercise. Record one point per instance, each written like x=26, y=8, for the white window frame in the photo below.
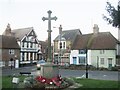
x=11, y=51
x=110, y=60
x=63, y=44
x=2, y=63
x=83, y=58
x=102, y=61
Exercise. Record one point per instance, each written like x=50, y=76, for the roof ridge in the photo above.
x=71, y=30
x=22, y=28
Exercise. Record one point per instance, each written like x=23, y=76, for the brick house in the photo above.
x=9, y=50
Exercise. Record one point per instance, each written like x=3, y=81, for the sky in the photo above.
x=71, y=14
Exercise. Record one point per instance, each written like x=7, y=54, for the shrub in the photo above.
x=102, y=68
x=115, y=68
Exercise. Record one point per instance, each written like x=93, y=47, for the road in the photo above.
x=103, y=75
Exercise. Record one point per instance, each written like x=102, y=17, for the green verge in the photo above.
x=86, y=83
x=93, y=83
x=7, y=81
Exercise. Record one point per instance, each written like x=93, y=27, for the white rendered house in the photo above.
x=101, y=49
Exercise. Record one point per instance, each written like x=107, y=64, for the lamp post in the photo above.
x=86, y=64
x=60, y=30
x=60, y=44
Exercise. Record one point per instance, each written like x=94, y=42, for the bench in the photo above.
x=28, y=73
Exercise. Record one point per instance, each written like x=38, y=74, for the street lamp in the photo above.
x=60, y=44
x=60, y=30
x=86, y=64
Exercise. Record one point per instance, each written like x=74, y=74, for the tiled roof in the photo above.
x=102, y=40
x=69, y=34
x=20, y=33
x=8, y=42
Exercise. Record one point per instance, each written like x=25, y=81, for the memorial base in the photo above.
x=49, y=70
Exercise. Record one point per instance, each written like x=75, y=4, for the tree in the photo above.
x=114, y=19
x=114, y=14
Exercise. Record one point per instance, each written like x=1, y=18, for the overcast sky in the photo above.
x=71, y=14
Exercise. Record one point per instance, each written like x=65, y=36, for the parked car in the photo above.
x=39, y=63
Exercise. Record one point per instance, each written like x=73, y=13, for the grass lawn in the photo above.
x=7, y=81
x=93, y=83
x=87, y=83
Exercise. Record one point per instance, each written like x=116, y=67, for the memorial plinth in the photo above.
x=49, y=70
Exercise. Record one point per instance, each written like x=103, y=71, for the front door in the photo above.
x=74, y=60
x=109, y=63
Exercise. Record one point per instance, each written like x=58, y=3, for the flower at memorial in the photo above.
x=55, y=80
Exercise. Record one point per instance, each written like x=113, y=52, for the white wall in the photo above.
x=89, y=57
x=74, y=53
x=118, y=49
x=96, y=56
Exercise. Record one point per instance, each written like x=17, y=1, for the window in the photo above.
x=31, y=45
x=102, y=51
x=74, y=60
x=81, y=51
x=102, y=60
x=2, y=63
x=35, y=56
x=110, y=60
x=27, y=44
x=81, y=60
x=62, y=45
x=23, y=56
x=22, y=44
x=11, y=51
x=27, y=56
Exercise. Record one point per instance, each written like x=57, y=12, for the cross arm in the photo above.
x=44, y=18
x=54, y=18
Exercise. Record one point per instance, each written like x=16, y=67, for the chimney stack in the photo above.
x=60, y=29
x=95, y=29
x=8, y=30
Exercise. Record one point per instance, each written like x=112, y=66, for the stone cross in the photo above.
x=49, y=18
